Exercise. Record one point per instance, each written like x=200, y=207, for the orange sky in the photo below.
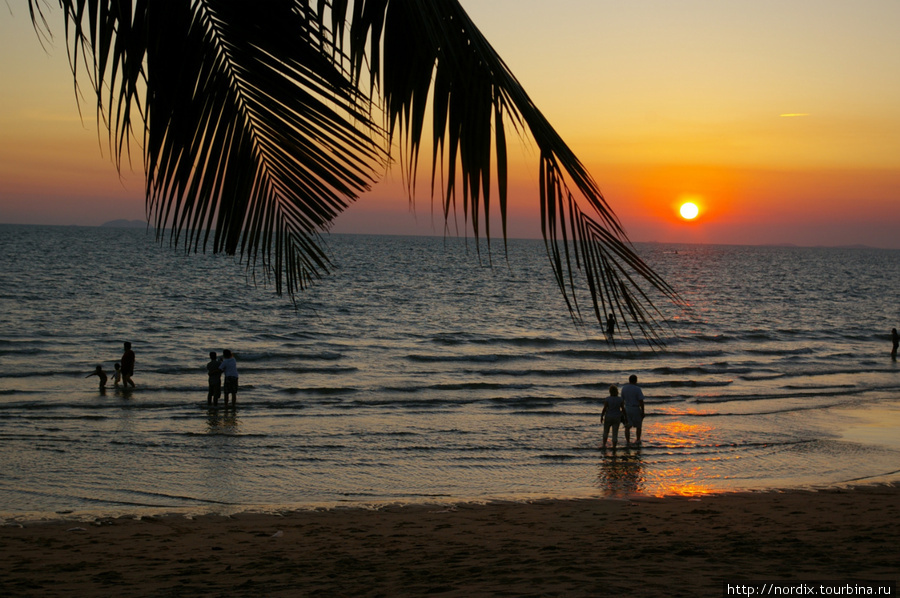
x=783, y=119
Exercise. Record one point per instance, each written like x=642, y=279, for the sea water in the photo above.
x=430, y=370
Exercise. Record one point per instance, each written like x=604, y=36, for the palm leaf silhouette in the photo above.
x=260, y=125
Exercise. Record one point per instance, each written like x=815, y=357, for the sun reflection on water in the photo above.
x=625, y=473
x=668, y=464
x=679, y=481
x=679, y=434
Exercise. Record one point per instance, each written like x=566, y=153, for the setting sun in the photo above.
x=689, y=210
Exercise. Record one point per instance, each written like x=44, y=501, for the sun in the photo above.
x=689, y=210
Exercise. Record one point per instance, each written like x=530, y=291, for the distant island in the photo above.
x=122, y=223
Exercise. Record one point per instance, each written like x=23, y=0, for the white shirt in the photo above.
x=633, y=396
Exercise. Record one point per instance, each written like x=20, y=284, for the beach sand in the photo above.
x=676, y=546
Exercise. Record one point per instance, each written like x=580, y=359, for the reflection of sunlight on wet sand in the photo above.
x=878, y=424
x=677, y=481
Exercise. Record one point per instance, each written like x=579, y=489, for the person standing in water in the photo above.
x=101, y=374
x=229, y=367
x=895, y=338
x=633, y=397
x=215, y=379
x=611, y=416
x=127, y=362
x=610, y=325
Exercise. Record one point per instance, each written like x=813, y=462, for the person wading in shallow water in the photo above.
x=229, y=367
x=101, y=374
x=127, y=362
x=633, y=397
x=215, y=379
x=895, y=338
x=611, y=416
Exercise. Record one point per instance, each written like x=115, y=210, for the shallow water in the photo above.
x=415, y=372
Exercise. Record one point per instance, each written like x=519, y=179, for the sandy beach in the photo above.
x=675, y=546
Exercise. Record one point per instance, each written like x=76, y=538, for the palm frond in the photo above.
x=248, y=112
x=434, y=48
x=257, y=130
x=254, y=137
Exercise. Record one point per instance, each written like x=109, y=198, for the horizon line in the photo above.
x=133, y=224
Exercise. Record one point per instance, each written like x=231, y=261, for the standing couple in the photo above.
x=215, y=368
x=627, y=409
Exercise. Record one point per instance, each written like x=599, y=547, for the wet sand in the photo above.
x=674, y=546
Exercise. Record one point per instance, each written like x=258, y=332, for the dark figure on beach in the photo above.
x=127, y=366
x=229, y=367
x=633, y=397
x=612, y=415
x=895, y=338
x=99, y=372
x=215, y=379
x=117, y=375
x=610, y=324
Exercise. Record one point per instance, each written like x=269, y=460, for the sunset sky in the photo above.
x=781, y=120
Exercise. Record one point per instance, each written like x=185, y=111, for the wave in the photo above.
x=16, y=392
x=602, y=354
x=822, y=369
x=693, y=450
x=703, y=370
x=166, y=496
x=37, y=374
x=335, y=371
x=20, y=352
x=289, y=356
x=205, y=434
x=416, y=404
x=288, y=339
x=48, y=416
x=485, y=358
x=696, y=383
x=762, y=376
x=476, y=386
x=770, y=396
x=787, y=351
x=666, y=384
x=542, y=373
x=320, y=390
x=461, y=338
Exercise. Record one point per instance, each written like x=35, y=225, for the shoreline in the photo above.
x=138, y=512
x=639, y=546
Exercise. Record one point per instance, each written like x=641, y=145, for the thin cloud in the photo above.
x=793, y=114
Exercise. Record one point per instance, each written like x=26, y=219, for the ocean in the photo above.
x=425, y=370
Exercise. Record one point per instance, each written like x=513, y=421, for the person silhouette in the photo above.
x=611, y=415
x=895, y=338
x=127, y=366
x=610, y=324
x=633, y=397
x=102, y=375
x=229, y=367
x=215, y=379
